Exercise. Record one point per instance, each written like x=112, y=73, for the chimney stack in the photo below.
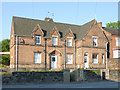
x=48, y=19
x=100, y=24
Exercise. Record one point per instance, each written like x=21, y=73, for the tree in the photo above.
x=115, y=25
x=4, y=46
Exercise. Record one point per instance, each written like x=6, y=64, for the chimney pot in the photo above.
x=100, y=24
x=48, y=19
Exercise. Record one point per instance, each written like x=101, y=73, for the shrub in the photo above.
x=5, y=59
x=3, y=66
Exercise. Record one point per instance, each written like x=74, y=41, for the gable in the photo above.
x=55, y=32
x=37, y=30
x=94, y=31
x=70, y=33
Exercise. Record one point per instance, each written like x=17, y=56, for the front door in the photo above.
x=86, y=60
x=53, y=61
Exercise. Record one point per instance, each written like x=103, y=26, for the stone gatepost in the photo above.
x=66, y=75
x=106, y=71
x=82, y=78
x=77, y=75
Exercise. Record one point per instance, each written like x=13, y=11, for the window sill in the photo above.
x=95, y=63
x=95, y=46
x=69, y=63
x=37, y=63
x=38, y=44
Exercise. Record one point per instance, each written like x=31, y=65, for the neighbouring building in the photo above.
x=45, y=44
x=114, y=41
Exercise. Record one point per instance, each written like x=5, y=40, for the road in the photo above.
x=99, y=84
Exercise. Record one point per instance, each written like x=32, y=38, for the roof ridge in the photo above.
x=45, y=21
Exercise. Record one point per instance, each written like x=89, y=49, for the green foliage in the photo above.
x=5, y=59
x=4, y=46
x=3, y=66
x=97, y=72
x=115, y=25
x=42, y=78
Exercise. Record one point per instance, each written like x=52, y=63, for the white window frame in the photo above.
x=37, y=57
x=69, y=41
x=54, y=42
x=69, y=58
x=37, y=39
x=116, y=54
x=94, y=37
x=103, y=58
x=95, y=60
x=117, y=41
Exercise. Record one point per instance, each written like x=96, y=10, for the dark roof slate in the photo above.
x=112, y=30
x=25, y=26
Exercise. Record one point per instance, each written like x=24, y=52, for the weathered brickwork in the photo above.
x=27, y=47
x=114, y=63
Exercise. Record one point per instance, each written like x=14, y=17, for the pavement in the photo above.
x=97, y=84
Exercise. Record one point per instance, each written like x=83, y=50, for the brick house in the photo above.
x=45, y=44
x=114, y=39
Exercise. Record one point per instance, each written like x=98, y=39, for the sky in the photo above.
x=77, y=13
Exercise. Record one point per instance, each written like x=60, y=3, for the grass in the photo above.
x=36, y=71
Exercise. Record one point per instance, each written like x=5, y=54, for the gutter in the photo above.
x=64, y=53
x=74, y=55
x=16, y=53
x=106, y=49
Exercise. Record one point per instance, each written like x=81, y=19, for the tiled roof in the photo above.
x=25, y=26
x=112, y=30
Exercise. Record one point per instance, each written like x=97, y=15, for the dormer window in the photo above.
x=94, y=41
x=37, y=39
x=55, y=40
x=69, y=41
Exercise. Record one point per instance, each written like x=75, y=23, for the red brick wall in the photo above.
x=113, y=63
x=113, y=44
x=26, y=50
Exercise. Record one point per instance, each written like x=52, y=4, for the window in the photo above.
x=55, y=41
x=69, y=41
x=69, y=58
x=37, y=57
x=95, y=58
x=116, y=54
x=102, y=58
x=117, y=41
x=94, y=42
x=19, y=39
x=37, y=40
